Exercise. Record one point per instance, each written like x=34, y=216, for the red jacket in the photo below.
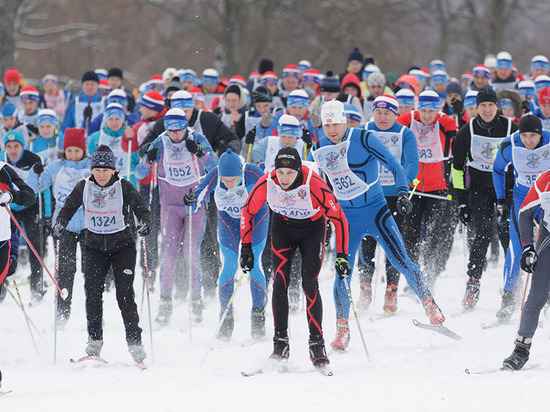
x=146, y=181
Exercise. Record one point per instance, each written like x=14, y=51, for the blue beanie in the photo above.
x=8, y=110
x=14, y=136
x=175, y=119
x=103, y=158
x=230, y=164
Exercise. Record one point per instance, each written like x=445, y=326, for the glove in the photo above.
x=143, y=229
x=250, y=136
x=47, y=226
x=88, y=111
x=501, y=211
x=404, y=205
x=190, y=198
x=5, y=197
x=194, y=148
x=525, y=107
x=464, y=213
x=306, y=137
x=528, y=258
x=315, y=120
x=58, y=230
x=458, y=106
x=266, y=120
x=343, y=268
x=13, y=265
x=38, y=168
x=247, y=257
x=152, y=155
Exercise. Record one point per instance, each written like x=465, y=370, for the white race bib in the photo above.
x=293, y=204
x=103, y=208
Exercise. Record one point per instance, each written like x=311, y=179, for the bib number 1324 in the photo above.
x=103, y=221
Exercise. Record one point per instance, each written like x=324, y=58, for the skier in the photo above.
x=62, y=175
x=30, y=99
x=48, y=141
x=12, y=84
x=349, y=158
x=301, y=203
x=86, y=105
x=475, y=148
x=10, y=121
x=108, y=201
x=53, y=97
x=231, y=181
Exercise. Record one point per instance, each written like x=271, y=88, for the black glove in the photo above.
x=13, y=265
x=247, y=257
x=528, y=258
x=47, y=226
x=306, y=137
x=38, y=168
x=194, y=148
x=58, y=230
x=458, y=106
x=525, y=107
x=5, y=197
x=143, y=229
x=88, y=111
x=190, y=198
x=343, y=268
x=250, y=136
x=464, y=213
x=501, y=211
x=152, y=155
x=404, y=205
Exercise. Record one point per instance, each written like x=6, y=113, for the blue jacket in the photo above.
x=69, y=120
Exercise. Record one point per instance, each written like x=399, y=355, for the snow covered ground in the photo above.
x=410, y=369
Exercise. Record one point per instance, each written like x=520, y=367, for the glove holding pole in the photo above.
x=249, y=140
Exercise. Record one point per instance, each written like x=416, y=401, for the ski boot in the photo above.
x=226, y=329
x=165, y=311
x=137, y=352
x=317, y=351
x=390, y=300
x=519, y=356
x=341, y=341
x=472, y=293
x=151, y=280
x=504, y=314
x=365, y=298
x=257, y=318
x=281, y=349
x=433, y=312
x=197, y=307
x=94, y=347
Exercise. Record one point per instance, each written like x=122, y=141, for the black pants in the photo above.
x=210, y=250
x=67, y=267
x=96, y=265
x=309, y=237
x=29, y=218
x=4, y=264
x=366, y=263
x=151, y=241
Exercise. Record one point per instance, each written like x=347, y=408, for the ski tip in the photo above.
x=467, y=371
x=415, y=322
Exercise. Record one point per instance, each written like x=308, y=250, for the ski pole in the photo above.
x=40, y=230
x=128, y=166
x=189, y=273
x=525, y=291
x=151, y=194
x=422, y=194
x=356, y=318
x=416, y=182
x=148, y=298
x=26, y=317
x=222, y=318
x=63, y=292
x=25, y=314
x=56, y=299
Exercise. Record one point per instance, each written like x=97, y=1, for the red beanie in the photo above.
x=12, y=75
x=75, y=137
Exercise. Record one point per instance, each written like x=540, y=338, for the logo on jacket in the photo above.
x=331, y=161
x=99, y=198
x=302, y=193
x=177, y=152
x=533, y=161
x=488, y=150
x=240, y=192
x=394, y=138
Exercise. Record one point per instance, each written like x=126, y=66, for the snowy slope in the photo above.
x=411, y=369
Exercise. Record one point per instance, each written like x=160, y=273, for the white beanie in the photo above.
x=333, y=113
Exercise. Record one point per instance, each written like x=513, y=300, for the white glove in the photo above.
x=5, y=198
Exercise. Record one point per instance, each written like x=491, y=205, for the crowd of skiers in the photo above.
x=268, y=174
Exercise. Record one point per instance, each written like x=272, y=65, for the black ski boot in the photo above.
x=226, y=329
x=257, y=318
x=471, y=296
x=317, y=352
x=281, y=349
x=519, y=356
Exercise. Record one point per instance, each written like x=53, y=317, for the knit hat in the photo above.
x=481, y=71
x=408, y=81
x=50, y=78
x=291, y=71
x=311, y=76
x=187, y=75
x=470, y=99
x=387, y=102
x=466, y=77
x=368, y=70
x=540, y=62
x=352, y=112
x=153, y=101
x=155, y=82
x=114, y=72
x=355, y=55
x=490, y=61
x=405, y=97
x=486, y=94
x=12, y=76
x=333, y=112
x=288, y=157
x=238, y=79
x=289, y=126
x=175, y=119
x=75, y=137
x=269, y=77
x=174, y=85
x=115, y=110
x=234, y=88
x=197, y=93
x=429, y=100
x=101, y=74
x=103, y=158
x=261, y=95
x=118, y=96
x=454, y=87
x=420, y=75
x=530, y=123
x=104, y=87
x=230, y=164
x=526, y=89
x=504, y=60
x=8, y=110
x=46, y=116
x=376, y=79
x=265, y=65
x=90, y=75
x=505, y=102
x=330, y=84
x=541, y=82
x=30, y=93
x=304, y=65
x=14, y=136
x=182, y=99
x=439, y=77
x=297, y=98
x=544, y=96
x=210, y=76
x=437, y=65
x=169, y=73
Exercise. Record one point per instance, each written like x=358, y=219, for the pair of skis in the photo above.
x=100, y=360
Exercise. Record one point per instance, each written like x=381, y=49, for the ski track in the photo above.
x=411, y=369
